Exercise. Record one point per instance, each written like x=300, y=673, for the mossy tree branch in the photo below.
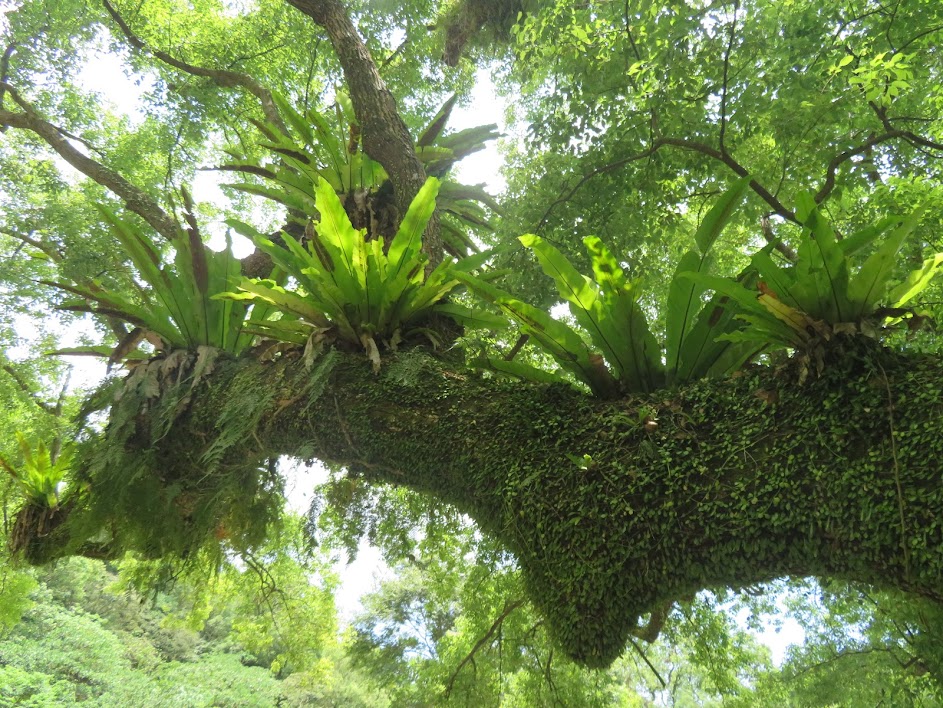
x=610, y=518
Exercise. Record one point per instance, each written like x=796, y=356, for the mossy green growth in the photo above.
x=166, y=480
x=612, y=508
x=615, y=508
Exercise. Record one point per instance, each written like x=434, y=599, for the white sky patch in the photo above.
x=105, y=74
x=485, y=106
x=357, y=578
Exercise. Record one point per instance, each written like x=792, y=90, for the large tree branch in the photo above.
x=136, y=199
x=221, y=77
x=729, y=489
x=385, y=136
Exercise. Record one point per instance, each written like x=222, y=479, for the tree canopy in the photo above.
x=746, y=386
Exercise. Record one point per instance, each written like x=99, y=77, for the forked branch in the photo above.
x=495, y=626
x=221, y=77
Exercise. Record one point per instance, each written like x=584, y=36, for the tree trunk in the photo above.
x=611, y=507
x=385, y=136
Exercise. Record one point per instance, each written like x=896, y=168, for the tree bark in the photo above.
x=739, y=481
x=385, y=136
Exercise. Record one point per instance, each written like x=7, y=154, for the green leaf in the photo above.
x=468, y=317
x=870, y=283
x=821, y=283
x=866, y=236
x=638, y=359
x=518, y=370
x=719, y=215
x=115, y=304
x=407, y=243
x=683, y=299
x=704, y=352
x=281, y=196
x=916, y=282
x=556, y=338
x=285, y=300
x=598, y=313
x=432, y=131
x=293, y=118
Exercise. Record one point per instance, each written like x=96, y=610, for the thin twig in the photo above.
x=222, y=77
x=725, y=88
x=496, y=625
x=23, y=385
x=53, y=254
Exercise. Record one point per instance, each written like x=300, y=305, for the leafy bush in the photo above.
x=627, y=356
x=315, y=146
x=800, y=305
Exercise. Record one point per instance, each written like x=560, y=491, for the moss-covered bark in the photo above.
x=731, y=482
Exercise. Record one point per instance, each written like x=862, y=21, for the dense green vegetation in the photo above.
x=738, y=420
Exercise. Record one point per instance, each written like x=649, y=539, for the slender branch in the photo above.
x=919, y=35
x=892, y=134
x=838, y=656
x=727, y=159
x=395, y=53
x=890, y=25
x=53, y=254
x=134, y=198
x=23, y=385
x=915, y=139
x=518, y=345
x=767, y=230
x=594, y=173
x=725, y=88
x=724, y=157
x=222, y=77
x=56, y=447
x=651, y=666
x=5, y=69
x=495, y=626
x=257, y=55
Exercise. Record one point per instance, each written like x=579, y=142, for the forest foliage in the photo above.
x=756, y=186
